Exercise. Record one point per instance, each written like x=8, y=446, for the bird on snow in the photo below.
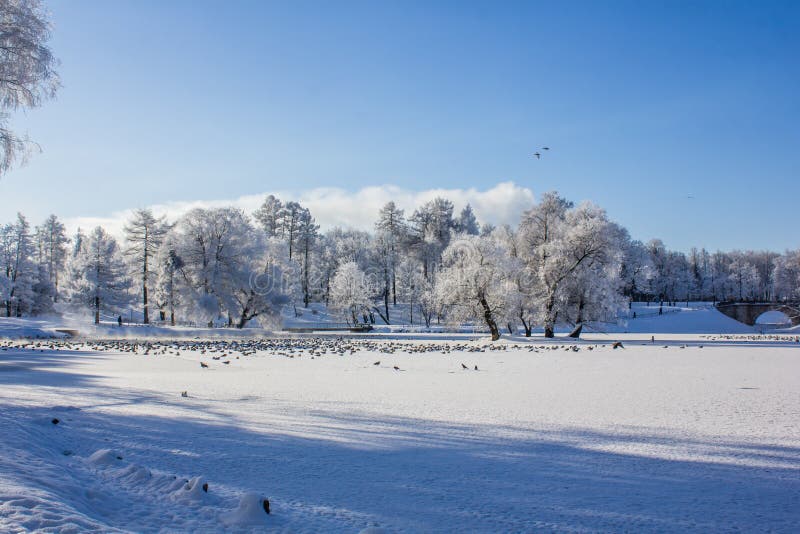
x=476, y=367
x=396, y=368
x=204, y=365
x=464, y=366
x=377, y=363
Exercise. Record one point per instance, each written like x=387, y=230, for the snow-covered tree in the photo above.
x=786, y=276
x=98, y=277
x=307, y=233
x=472, y=281
x=44, y=292
x=27, y=70
x=53, y=240
x=264, y=284
x=430, y=232
x=637, y=270
x=19, y=269
x=213, y=245
x=351, y=292
x=556, y=242
x=269, y=216
x=392, y=229
x=168, y=266
x=144, y=234
x=466, y=223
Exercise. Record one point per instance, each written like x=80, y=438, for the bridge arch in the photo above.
x=749, y=312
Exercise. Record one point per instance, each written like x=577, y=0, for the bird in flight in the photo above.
x=545, y=148
x=538, y=155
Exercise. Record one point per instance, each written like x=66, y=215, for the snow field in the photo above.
x=541, y=437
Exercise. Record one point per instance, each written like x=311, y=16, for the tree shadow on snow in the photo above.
x=330, y=470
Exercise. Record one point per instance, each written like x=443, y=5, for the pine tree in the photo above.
x=269, y=216
x=144, y=234
x=53, y=244
x=393, y=229
x=19, y=268
x=98, y=275
x=467, y=223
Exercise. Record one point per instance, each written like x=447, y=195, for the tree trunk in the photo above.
x=576, y=332
x=306, y=297
x=487, y=315
x=146, y=309
x=525, y=325
x=97, y=310
x=550, y=320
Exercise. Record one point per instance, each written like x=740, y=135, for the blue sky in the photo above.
x=643, y=104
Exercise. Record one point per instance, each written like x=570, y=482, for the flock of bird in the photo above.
x=224, y=352
x=539, y=154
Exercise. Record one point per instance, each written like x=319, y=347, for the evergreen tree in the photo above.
x=98, y=275
x=144, y=234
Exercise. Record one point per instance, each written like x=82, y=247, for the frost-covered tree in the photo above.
x=19, y=269
x=44, y=292
x=98, y=277
x=745, y=279
x=473, y=278
x=392, y=229
x=53, y=241
x=269, y=216
x=430, y=232
x=351, y=292
x=263, y=285
x=786, y=276
x=27, y=70
x=213, y=245
x=291, y=216
x=168, y=267
x=636, y=271
x=556, y=241
x=144, y=234
x=307, y=233
x=467, y=223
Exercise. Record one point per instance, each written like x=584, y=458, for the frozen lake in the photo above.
x=691, y=432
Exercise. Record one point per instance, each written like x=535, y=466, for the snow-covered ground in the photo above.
x=640, y=438
x=693, y=425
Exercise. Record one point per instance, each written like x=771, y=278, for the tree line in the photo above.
x=562, y=264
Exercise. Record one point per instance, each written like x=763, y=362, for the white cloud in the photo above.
x=333, y=206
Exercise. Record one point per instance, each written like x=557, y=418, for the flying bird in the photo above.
x=538, y=155
x=545, y=148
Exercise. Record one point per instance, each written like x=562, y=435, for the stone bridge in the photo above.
x=748, y=312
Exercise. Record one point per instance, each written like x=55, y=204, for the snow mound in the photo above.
x=195, y=489
x=252, y=511
x=104, y=457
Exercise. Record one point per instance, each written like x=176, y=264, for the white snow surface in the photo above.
x=696, y=433
x=691, y=426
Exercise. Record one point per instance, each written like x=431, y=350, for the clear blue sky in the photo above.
x=643, y=104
